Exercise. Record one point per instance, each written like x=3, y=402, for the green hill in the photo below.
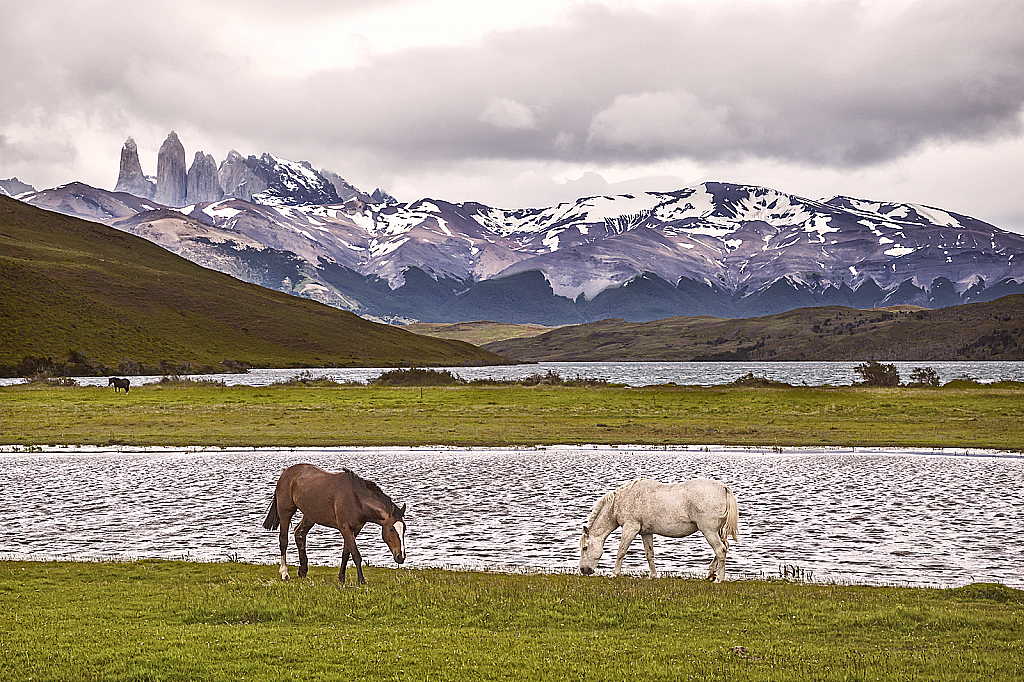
x=476, y=333
x=98, y=300
x=978, y=331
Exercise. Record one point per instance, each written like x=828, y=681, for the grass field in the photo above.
x=294, y=416
x=164, y=620
x=160, y=620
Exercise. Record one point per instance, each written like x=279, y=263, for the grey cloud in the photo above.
x=36, y=151
x=819, y=83
x=822, y=83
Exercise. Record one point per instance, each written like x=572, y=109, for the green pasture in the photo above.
x=333, y=415
x=160, y=620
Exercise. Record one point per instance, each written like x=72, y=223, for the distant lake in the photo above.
x=634, y=373
x=926, y=518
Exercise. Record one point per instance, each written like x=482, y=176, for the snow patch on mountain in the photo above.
x=739, y=239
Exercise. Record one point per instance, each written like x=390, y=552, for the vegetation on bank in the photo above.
x=977, y=331
x=81, y=298
x=962, y=414
x=163, y=620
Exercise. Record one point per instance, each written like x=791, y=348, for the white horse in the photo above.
x=644, y=507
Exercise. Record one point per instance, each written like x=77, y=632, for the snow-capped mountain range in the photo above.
x=715, y=248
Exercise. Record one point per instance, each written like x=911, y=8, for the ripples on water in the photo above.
x=862, y=517
x=634, y=373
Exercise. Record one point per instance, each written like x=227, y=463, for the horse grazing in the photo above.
x=646, y=508
x=117, y=383
x=343, y=501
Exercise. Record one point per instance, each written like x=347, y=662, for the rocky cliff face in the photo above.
x=272, y=181
x=171, y=176
x=12, y=187
x=202, y=181
x=267, y=179
x=130, y=177
x=238, y=178
x=344, y=188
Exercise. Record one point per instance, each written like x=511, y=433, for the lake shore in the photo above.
x=178, y=620
x=192, y=414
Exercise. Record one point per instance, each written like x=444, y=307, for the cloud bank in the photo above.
x=836, y=85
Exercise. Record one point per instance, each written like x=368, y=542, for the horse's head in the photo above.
x=591, y=549
x=393, y=532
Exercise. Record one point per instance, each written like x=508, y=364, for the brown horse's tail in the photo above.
x=273, y=520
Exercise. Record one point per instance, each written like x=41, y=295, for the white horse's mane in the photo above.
x=607, y=499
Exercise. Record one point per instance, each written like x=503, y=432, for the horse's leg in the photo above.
x=716, y=569
x=286, y=513
x=350, y=547
x=300, y=544
x=628, y=534
x=345, y=554
x=649, y=550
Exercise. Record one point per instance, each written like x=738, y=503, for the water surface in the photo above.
x=861, y=516
x=631, y=373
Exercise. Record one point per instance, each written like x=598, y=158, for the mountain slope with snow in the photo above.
x=715, y=248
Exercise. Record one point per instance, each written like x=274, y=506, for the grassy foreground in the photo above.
x=159, y=620
x=332, y=415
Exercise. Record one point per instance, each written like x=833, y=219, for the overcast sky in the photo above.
x=532, y=102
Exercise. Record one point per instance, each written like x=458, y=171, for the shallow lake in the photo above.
x=858, y=516
x=630, y=373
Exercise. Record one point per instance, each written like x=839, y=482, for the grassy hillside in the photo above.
x=477, y=333
x=87, y=293
x=979, y=331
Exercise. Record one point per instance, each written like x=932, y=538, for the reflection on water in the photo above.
x=634, y=373
x=854, y=516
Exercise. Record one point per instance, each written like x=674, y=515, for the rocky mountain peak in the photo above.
x=171, y=176
x=203, y=183
x=266, y=179
x=130, y=177
x=379, y=196
x=238, y=178
x=343, y=187
x=13, y=187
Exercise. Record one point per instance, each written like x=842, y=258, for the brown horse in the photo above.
x=343, y=501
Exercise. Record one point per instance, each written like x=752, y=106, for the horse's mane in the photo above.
x=374, y=489
x=605, y=500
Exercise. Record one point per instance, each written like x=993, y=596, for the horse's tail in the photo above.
x=732, y=518
x=273, y=520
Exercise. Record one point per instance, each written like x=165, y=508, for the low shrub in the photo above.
x=923, y=377
x=416, y=376
x=307, y=378
x=876, y=374
x=749, y=379
x=964, y=381
x=178, y=380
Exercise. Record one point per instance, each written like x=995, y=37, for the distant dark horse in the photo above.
x=343, y=501
x=119, y=383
